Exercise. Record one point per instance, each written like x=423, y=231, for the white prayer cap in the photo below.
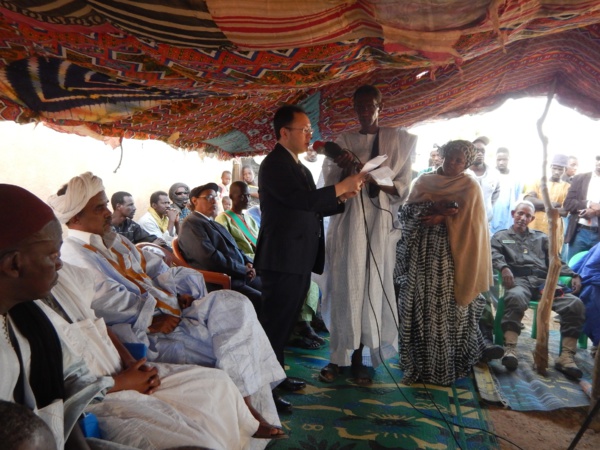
x=80, y=190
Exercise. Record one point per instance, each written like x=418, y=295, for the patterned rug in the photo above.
x=344, y=416
x=526, y=390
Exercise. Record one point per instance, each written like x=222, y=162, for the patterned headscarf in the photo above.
x=464, y=146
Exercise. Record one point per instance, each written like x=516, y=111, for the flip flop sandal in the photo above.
x=362, y=374
x=265, y=429
x=305, y=343
x=308, y=332
x=329, y=373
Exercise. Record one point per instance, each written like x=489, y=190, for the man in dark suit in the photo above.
x=290, y=242
x=208, y=245
x=583, y=204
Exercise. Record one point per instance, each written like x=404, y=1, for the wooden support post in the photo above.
x=540, y=356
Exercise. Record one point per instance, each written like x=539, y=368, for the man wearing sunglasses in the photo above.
x=179, y=194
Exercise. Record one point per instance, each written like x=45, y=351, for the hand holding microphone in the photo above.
x=343, y=158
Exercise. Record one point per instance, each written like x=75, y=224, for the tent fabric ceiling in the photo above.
x=210, y=74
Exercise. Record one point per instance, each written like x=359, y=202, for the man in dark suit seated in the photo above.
x=208, y=245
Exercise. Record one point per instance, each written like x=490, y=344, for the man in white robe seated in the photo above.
x=36, y=371
x=167, y=309
x=184, y=405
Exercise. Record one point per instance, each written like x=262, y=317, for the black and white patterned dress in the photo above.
x=439, y=340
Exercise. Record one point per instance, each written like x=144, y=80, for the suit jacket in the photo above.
x=291, y=237
x=576, y=200
x=205, y=247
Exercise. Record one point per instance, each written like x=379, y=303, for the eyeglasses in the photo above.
x=182, y=193
x=305, y=130
x=209, y=197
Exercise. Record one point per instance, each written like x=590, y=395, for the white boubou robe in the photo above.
x=219, y=329
x=193, y=405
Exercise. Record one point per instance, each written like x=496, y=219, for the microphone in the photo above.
x=329, y=149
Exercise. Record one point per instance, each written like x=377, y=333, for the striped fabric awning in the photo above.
x=209, y=74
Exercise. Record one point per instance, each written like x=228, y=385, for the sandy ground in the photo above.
x=544, y=430
x=547, y=430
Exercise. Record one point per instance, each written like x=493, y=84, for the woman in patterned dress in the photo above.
x=443, y=265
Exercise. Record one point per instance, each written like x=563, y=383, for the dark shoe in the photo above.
x=490, y=352
x=292, y=384
x=282, y=405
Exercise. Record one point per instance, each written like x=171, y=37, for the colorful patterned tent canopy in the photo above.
x=210, y=74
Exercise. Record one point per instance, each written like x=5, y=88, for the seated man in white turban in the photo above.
x=167, y=309
x=150, y=406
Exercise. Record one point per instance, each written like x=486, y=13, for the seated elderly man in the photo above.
x=37, y=371
x=521, y=255
x=150, y=406
x=206, y=244
x=165, y=308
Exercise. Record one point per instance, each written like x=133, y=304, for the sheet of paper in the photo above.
x=383, y=176
x=374, y=163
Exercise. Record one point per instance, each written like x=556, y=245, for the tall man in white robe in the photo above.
x=167, y=309
x=189, y=405
x=358, y=294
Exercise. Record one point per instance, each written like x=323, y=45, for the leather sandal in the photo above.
x=265, y=431
x=304, y=329
x=329, y=373
x=362, y=374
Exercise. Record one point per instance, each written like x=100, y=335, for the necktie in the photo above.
x=305, y=175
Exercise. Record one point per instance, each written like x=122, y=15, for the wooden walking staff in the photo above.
x=540, y=356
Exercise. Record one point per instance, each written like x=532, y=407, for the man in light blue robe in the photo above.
x=145, y=301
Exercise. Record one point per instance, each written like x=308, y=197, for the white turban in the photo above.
x=79, y=192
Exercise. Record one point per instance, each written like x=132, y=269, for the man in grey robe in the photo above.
x=358, y=290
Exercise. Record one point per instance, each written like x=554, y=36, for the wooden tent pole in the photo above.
x=540, y=356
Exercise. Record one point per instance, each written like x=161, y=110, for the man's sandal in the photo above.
x=304, y=342
x=304, y=329
x=362, y=374
x=268, y=431
x=329, y=373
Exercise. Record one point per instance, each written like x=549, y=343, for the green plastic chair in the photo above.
x=499, y=334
